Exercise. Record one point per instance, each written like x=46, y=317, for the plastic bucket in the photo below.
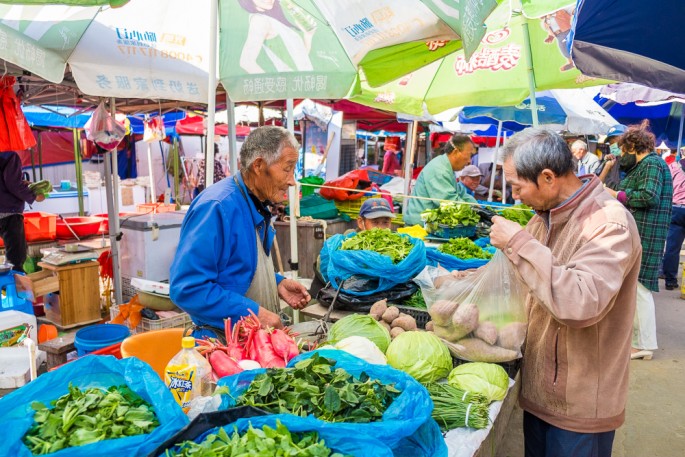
x=98, y=336
x=155, y=348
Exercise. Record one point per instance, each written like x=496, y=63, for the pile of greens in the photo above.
x=518, y=215
x=464, y=249
x=416, y=301
x=265, y=442
x=450, y=214
x=382, y=241
x=314, y=386
x=455, y=408
x=84, y=417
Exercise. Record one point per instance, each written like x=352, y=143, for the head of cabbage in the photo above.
x=420, y=354
x=488, y=379
x=359, y=325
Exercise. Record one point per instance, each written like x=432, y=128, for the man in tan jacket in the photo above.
x=579, y=257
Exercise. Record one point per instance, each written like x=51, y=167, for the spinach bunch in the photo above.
x=315, y=386
x=382, y=241
x=464, y=249
x=264, y=442
x=450, y=214
x=84, y=417
x=521, y=215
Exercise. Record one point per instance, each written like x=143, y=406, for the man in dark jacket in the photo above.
x=14, y=193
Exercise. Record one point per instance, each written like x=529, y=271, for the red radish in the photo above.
x=283, y=345
x=223, y=365
x=263, y=352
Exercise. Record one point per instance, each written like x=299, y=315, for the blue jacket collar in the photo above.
x=257, y=218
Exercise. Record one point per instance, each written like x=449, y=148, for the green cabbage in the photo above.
x=488, y=379
x=420, y=354
x=359, y=325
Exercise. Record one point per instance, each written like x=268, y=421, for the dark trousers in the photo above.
x=674, y=242
x=545, y=440
x=12, y=233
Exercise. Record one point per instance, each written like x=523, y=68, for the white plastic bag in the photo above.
x=480, y=315
x=103, y=130
x=154, y=129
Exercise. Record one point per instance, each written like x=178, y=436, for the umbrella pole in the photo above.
x=232, y=137
x=504, y=179
x=79, y=173
x=115, y=168
x=293, y=194
x=40, y=155
x=113, y=217
x=33, y=165
x=408, y=161
x=153, y=197
x=211, y=94
x=531, y=74
x=176, y=157
x=493, y=170
x=680, y=131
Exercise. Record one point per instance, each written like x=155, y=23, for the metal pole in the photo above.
x=40, y=155
x=493, y=170
x=211, y=92
x=33, y=165
x=177, y=156
x=531, y=74
x=115, y=168
x=153, y=195
x=113, y=218
x=232, y=137
x=409, y=160
x=680, y=131
x=79, y=173
x=293, y=197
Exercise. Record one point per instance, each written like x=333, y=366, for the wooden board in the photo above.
x=318, y=311
x=38, y=284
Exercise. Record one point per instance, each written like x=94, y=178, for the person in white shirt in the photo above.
x=587, y=163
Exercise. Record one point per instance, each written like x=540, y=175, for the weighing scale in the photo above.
x=61, y=256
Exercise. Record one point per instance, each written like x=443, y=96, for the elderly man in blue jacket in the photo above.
x=223, y=266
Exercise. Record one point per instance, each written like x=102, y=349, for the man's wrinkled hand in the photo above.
x=269, y=319
x=294, y=293
x=502, y=231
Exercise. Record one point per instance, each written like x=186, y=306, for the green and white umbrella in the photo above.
x=499, y=73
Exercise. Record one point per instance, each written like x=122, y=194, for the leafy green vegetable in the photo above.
x=83, y=417
x=421, y=355
x=314, y=386
x=454, y=408
x=450, y=214
x=416, y=301
x=359, y=325
x=488, y=379
x=521, y=215
x=382, y=241
x=264, y=442
x=463, y=248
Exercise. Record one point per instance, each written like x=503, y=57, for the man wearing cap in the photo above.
x=375, y=213
x=611, y=176
x=470, y=180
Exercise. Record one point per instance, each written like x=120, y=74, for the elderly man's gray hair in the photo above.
x=535, y=149
x=266, y=142
x=579, y=144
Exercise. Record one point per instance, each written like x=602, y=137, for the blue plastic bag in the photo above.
x=338, y=265
x=411, y=409
x=427, y=441
x=92, y=371
x=449, y=262
x=358, y=445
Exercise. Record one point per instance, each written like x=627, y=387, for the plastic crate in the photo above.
x=351, y=207
x=420, y=315
x=39, y=226
x=460, y=231
x=512, y=368
x=182, y=320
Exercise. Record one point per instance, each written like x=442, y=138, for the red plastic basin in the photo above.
x=82, y=226
x=104, y=227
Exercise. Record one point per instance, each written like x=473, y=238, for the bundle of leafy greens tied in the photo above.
x=84, y=417
x=518, y=213
x=464, y=249
x=259, y=442
x=314, y=386
x=454, y=408
x=450, y=214
x=41, y=187
x=382, y=241
x=416, y=301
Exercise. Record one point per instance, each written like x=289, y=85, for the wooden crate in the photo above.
x=38, y=284
x=78, y=299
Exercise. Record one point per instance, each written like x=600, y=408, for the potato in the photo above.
x=486, y=331
x=405, y=322
x=378, y=308
x=442, y=311
x=476, y=350
x=396, y=331
x=465, y=318
x=446, y=332
x=386, y=325
x=390, y=314
x=512, y=335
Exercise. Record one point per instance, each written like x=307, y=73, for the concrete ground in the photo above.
x=655, y=414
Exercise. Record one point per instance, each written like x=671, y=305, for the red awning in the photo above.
x=195, y=125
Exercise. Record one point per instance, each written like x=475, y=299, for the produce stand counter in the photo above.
x=460, y=442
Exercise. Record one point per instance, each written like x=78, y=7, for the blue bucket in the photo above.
x=95, y=337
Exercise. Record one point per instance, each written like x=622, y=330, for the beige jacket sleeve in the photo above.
x=581, y=292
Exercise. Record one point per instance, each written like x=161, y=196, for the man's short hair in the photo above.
x=458, y=141
x=579, y=144
x=535, y=149
x=266, y=142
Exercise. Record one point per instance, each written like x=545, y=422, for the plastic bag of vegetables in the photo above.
x=403, y=416
x=92, y=372
x=421, y=355
x=403, y=258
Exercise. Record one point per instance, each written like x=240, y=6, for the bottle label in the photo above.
x=180, y=380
